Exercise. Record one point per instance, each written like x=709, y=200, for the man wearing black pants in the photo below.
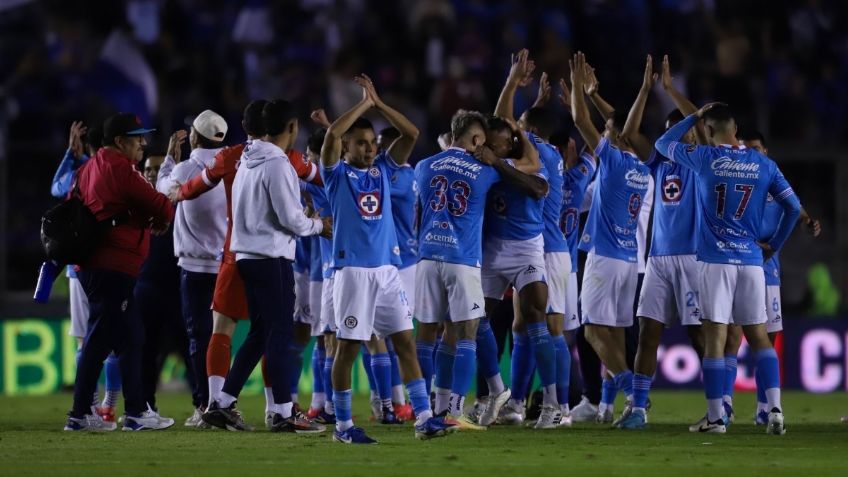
x=111, y=187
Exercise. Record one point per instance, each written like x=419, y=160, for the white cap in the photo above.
x=210, y=125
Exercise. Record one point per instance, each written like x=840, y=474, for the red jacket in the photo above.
x=110, y=185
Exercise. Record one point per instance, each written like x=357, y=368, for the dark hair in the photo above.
x=252, y=118
x=276, y=116
x=753, y=135
x=316, y=140
x=719, y=116
x=390, y=133
x=560, y=139
x=497, y=124
x=360, y=123
x=204, y=142
x=544, y=121
x=674, y=116
x=619, y=119
x=94, y=137
x=463, y=120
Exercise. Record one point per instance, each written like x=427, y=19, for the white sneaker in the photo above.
x=566, y=419
x=584, y=412
x=512, y=413
x=775, y=423
x=149, y=420
x=549, y=418
x=697, y=426
x=474, y=411
x=194, y=419
x=716, y=427
x=89, y=422
x=493, y=410
x=269, y=419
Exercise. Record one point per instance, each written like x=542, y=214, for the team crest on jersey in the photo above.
x=671, y=189
x=370, y=205
x=350, y=322
x=374, y=172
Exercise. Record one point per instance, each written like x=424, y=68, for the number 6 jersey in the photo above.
x=452, y=188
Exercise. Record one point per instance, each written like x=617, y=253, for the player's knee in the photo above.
x=466, y=330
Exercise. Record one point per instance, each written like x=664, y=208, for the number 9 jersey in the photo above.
x=453, y=186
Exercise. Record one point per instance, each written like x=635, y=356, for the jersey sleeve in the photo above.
x=688, y=155
x=785, y=196
x=304, y=169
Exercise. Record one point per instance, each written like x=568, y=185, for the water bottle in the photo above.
x=46, y=276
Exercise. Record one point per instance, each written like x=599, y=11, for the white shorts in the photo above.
x=572, y=316
x=302, y=310
x=79, y=308
x=448, y=288
x=328, y=313
x=732, y=294
x=516, y=262
x=669, y=293
x=609, y=285
x=773, y=309
x=369, y=301
x=407, y=280
x=557, y=269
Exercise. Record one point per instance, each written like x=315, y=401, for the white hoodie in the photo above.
x=267, y=214
x=200, y=225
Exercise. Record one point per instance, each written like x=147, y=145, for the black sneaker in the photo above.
x=297, y=423
x=389, y=416
x=225, y=418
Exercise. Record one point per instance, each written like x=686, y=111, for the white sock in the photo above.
x=762, y=406
x=516, y=403
x=283, y=409
x=549, y=395
x=344, y=425
x=442, y=400
x=216, y=385
x=269, y=400
x=455, y=404
x=715, y=410
x=225, y=400
x=565, y=409
x=773, y=398
x=374, y=396
x=318, y=400
x=603, y=407
x=728, y=399
x=398, y=396
x=422, y=417
x=495, y=384
x=329, y=407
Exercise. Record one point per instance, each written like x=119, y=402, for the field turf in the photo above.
x=816, y=444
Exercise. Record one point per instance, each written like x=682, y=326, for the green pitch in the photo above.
x=816, y=444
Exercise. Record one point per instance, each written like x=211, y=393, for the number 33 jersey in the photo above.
x=623, y=181
x=452, y=189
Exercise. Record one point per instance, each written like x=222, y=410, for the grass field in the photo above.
x=32, y=443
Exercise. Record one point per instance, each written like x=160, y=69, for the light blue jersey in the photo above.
x=555, y=240
x=452, y=189
x=616, y=202
x=771, y=220
x=675, y=229
x=576, y=181
x=320, y=203
x=405, y=212
x=733, y=183
x=361, y=204
x=512, y=214
x=302, y=254
x=316, y=259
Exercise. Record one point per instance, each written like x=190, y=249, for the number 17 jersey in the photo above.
x=452, y=188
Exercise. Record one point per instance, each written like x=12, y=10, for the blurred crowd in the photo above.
x=782, y=65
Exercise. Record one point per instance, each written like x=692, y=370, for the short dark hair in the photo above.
x=360, y=123
x=498, y=124
x=252, y=118
x=463, y=120
x=276, y=115
x=316, y=140
x=560, y=139
x=753, y=135
x=674, y=116
x=720, y=116
x=544, y=121
x=94, y=136
x=391, y=133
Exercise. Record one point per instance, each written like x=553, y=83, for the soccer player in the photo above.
x=266, y=216
x=669, y=292
x=733, y=183
x=539, y=123
x=368, y=295
x=609, y=238
x=199, y=231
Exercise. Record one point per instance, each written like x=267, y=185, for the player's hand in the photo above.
x=174, y=194
x=570, y=155
x=591, y=83
x=175, y=144
x=368, y=85
x=485, y=155
x=544, y=93
x=75, y=138
x=768, y=252
x=327, y=231
x=649, y=77
x=700, y=113
x=578, y=71
x=564, y=94
x=813, y=226
x=319, y=117
x=666, y=74
x=521, y=68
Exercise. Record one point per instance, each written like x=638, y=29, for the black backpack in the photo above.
x=70, y=232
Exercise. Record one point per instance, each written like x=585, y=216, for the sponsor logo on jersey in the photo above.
x=672, y=189
x=442, y=224
x=637, y=180
x=441, y=239
x=727, y=167
x=458, y=165
x=370, y=205
x=739, y=246
x=350, y=322
x=396, y=250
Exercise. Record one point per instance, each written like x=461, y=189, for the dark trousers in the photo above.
x=269, y=285
x=113, y=325
x=196, y=290
x=501, y=323
x=161, y=313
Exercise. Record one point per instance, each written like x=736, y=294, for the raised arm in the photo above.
x=529, y=184
x=519, y=75
x=631, y=132
x=579, y=110
x=687, y=154
x=591, y=87
x=401, y=148
x=544, y=93
x=164, y=182
x=682, y=102
x=331, y=151
x=74, y=157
